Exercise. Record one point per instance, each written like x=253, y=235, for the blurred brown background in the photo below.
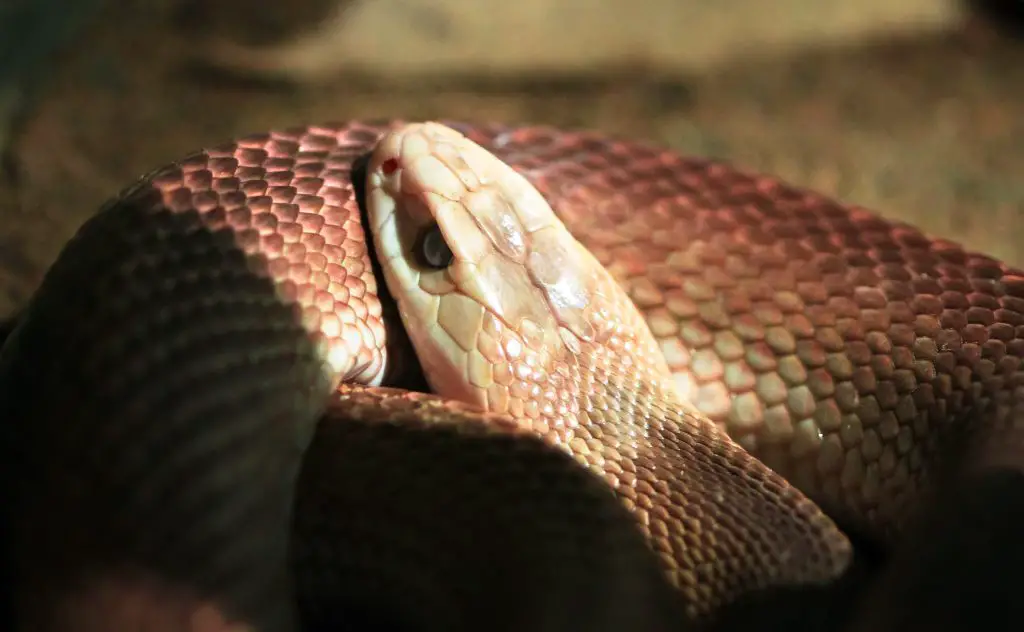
x=914, y=108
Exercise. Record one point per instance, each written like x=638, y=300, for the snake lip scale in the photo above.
x=202, y=430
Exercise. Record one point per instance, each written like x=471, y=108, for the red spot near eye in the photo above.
x=389, y=166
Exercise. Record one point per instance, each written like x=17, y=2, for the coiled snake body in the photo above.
x=162, y=390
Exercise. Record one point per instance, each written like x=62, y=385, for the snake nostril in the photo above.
x=432, y=250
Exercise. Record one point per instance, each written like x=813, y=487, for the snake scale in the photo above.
x=173, y=413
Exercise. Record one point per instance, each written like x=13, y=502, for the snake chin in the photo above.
x=402, y=369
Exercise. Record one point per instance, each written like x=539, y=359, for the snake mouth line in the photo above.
x=403, y=369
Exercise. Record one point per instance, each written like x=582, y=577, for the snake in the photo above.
x=481, y=377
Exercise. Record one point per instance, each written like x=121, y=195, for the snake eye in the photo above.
x=432, y=250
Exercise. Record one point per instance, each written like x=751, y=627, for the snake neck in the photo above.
x=700, y=499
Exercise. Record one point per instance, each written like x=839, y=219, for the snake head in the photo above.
x=500, y=301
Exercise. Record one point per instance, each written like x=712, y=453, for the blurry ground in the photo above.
x=927, y=126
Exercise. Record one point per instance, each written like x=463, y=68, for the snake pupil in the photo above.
x=433, y=250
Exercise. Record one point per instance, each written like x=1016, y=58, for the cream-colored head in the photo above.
x=498, y=298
